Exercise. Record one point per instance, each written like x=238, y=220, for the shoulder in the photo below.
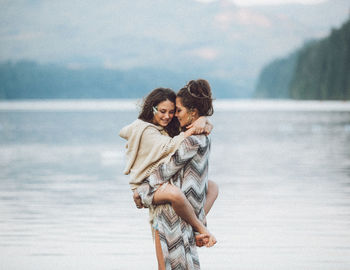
x=139, y=125
x=136, y=129
x=151, y=129
x=195, y=142
x=199, y=140
x=143, y=124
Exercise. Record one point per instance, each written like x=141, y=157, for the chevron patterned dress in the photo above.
x=187, y=169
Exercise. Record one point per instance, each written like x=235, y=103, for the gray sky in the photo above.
x=268, y=2
x=219, y=39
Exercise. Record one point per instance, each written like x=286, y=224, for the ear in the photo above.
x=194, y=112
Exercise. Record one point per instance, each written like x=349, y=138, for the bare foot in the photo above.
x=211, y=241
x=202, y=239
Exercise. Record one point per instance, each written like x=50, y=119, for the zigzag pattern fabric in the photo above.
x=187, y=169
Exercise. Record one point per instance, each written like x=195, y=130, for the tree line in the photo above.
x=31, y=80
x=319, y=70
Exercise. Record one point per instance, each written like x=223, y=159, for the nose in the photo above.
x=166, y=116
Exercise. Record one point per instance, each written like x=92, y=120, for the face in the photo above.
x=164, y=113
x=183, y=114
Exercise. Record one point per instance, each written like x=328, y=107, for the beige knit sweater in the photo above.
x=147, y=146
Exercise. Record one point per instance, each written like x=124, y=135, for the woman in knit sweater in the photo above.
x=150, y=145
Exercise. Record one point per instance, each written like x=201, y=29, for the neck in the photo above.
x=194, y=118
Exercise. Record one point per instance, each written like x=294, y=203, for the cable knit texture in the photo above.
x=148, y=146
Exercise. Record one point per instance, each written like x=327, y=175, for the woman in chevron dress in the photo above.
x=188, y=170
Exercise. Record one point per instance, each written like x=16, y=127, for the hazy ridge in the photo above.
x=145, y=45
x=319, y=70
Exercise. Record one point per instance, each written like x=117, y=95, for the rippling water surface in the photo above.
x=284, y=178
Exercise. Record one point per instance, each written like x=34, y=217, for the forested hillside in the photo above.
x=30, y=80
x=319, y=70
x=323, y=69
x=275, y=78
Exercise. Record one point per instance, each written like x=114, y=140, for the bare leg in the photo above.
x=212, y=194
x=159, y=252
x=183, y=208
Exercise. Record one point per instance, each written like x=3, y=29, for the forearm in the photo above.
x=201, y=126
x=165, y=172
x=187, y=150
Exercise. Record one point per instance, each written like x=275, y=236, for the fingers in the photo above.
x=138, y=203
x=198, y=131
x=206, y=131
x=212, y=241
x=137, y=200
x=207, y=240
x=202, y=239
x=199, y=243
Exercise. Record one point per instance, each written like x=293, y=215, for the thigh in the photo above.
x=167, y=193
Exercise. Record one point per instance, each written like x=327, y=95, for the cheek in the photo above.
x=182, y=115
x=158, y=117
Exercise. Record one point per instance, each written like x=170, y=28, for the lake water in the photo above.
x=283, y=169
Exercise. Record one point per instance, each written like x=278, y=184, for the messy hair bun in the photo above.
x=197, y=95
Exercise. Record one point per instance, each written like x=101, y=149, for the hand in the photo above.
x=137, y=199
x=211, y=241
x=201, y=240
x=199, y=125
x=208, y=128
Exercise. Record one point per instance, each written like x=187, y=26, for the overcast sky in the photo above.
x=268, y=2
x=222, y=40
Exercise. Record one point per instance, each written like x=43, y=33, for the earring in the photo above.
x=189, y=118
x=155, y=110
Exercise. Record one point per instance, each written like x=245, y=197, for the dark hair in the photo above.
x=157, y=96
x=197, y=95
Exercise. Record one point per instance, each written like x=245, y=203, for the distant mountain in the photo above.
x=274, y=79
x=319, y=70
x=217, y=40
x=323, y=69
x=30, y=80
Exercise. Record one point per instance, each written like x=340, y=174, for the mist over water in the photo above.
x=284, y=178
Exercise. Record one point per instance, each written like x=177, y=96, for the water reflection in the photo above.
x=284, y=203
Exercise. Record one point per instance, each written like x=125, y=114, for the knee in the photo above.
x=213, y=189
x=175, y=194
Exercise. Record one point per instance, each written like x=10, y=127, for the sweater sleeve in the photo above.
x=186, y=151
x=163, y=144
